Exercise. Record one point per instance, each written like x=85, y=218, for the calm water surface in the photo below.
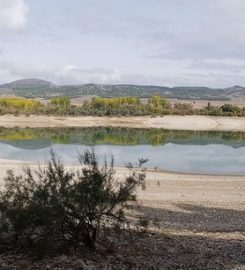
x=194, y=152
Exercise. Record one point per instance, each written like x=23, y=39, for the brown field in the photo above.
x=199, y=104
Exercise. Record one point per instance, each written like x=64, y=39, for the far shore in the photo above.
x=170, y=122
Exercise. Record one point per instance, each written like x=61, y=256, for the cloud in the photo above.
x=68, y=74
x=13, y=15
x=207, y=29
x=72, y=74
x=170, y=29
x=167, y=42
x=211, y=73
x=225, y=73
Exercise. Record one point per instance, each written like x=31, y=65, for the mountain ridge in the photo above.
x=33, y=88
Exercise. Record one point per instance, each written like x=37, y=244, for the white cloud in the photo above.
x=168, y=42
x=191, y=73
x=13, y=15
x=68, y=74
x=72, y=74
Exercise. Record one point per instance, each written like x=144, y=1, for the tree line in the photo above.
x=119, y=106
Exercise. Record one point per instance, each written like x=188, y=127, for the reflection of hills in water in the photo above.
x=30, y=144
x=28, y=139
x=42, y=138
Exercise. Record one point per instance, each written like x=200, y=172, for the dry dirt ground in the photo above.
x=195, y=222
x=199, y=104
x=196, y=103
x=173, y=122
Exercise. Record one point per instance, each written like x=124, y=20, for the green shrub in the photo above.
x=230, y=109
x=53, y=203
x=143, y=223
x=63, y=102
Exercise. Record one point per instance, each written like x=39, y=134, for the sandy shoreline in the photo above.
x=174, y=122
x=194, y=215
x=163, y=187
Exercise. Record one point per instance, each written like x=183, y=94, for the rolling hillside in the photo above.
x=44, y=89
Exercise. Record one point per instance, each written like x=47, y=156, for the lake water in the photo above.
x=181, y=151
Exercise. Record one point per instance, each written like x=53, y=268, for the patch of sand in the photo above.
x=176, y=122
x=165, y=187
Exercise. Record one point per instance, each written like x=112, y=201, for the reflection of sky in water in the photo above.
x=211, y=158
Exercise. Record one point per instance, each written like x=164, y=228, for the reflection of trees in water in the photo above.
x=43, y=137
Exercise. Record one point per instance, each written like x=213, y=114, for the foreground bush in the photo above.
x=54, y=204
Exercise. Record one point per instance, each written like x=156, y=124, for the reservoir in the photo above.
x=178, y=151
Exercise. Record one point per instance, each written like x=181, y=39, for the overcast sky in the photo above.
x=161, y=42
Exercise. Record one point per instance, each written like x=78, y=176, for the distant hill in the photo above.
x=44, y=89
x=28, y=88
x=29, y=83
